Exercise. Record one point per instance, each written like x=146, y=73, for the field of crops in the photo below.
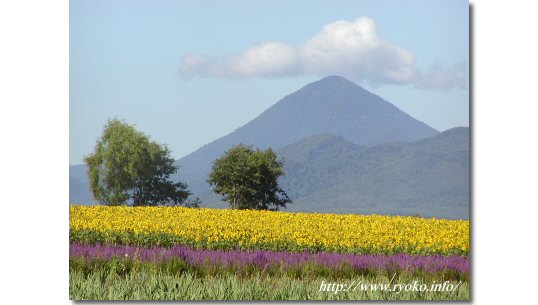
x=122, y=246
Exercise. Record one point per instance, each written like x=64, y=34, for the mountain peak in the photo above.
x=334, y=82
x=334, y=79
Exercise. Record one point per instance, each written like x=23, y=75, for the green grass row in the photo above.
x=156, y=285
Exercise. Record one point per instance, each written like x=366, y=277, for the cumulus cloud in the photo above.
x=353, y=49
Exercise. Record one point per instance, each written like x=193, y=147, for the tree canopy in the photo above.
x=248, y=179
x=128, y=168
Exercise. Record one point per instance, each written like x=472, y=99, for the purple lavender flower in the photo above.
x=262, y=259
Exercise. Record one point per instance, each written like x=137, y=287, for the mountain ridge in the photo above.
x=332, y=105
x=428, y=177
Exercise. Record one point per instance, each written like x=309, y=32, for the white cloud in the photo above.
x=355, y=49
x=351, y=49
x=268, y=59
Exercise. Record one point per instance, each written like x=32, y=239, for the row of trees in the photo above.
x=127, y=168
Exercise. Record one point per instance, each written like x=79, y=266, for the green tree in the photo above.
x=127, y=168
x=248, y=179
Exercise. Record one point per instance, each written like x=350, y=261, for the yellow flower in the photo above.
x=259, y=229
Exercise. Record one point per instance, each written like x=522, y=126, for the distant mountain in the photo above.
x=332, y=105
x=428, y=177
x=79, y=192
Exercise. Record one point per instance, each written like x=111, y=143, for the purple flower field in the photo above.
x=263, y=259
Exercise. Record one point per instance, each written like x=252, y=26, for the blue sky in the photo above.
x=188, y=72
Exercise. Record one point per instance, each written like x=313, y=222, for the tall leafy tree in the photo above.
x=248, y=179
x=127, y=168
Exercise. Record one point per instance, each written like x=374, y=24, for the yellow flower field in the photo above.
x=250, y=229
